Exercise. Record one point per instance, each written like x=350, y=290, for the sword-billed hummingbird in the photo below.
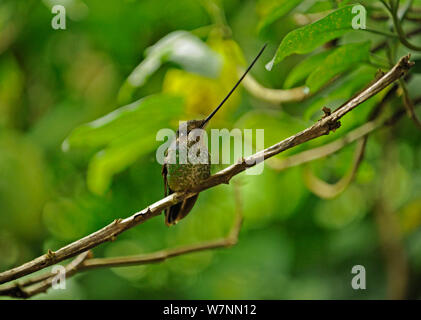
x=182, y=176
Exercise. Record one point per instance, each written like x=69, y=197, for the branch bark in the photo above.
x=111, y=231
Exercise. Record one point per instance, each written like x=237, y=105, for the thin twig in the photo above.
x=303, y=19
x=323, y=127
x=333, y=147
x=393, y=252
x=381, y=33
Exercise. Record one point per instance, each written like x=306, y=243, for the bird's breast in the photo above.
x=184, y=176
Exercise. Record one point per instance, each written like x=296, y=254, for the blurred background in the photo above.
x=61, y=179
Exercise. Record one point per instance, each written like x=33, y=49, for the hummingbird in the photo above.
x=184, y=176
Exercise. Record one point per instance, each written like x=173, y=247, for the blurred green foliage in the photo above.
x=79, y=112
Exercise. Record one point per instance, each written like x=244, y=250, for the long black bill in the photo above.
x=233, y=89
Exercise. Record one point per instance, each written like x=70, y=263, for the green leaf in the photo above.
x=179, y=47
x=304, y=69
x=308, y=38
x=340, y=60
x=277, y=9
x=127, y=134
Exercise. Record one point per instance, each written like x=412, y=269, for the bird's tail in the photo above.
x=179, y=210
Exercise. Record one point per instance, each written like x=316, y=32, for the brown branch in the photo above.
x=108, y=233
x=38, y=284
x=325, y=150
x=383, y=44
x=84, y=262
